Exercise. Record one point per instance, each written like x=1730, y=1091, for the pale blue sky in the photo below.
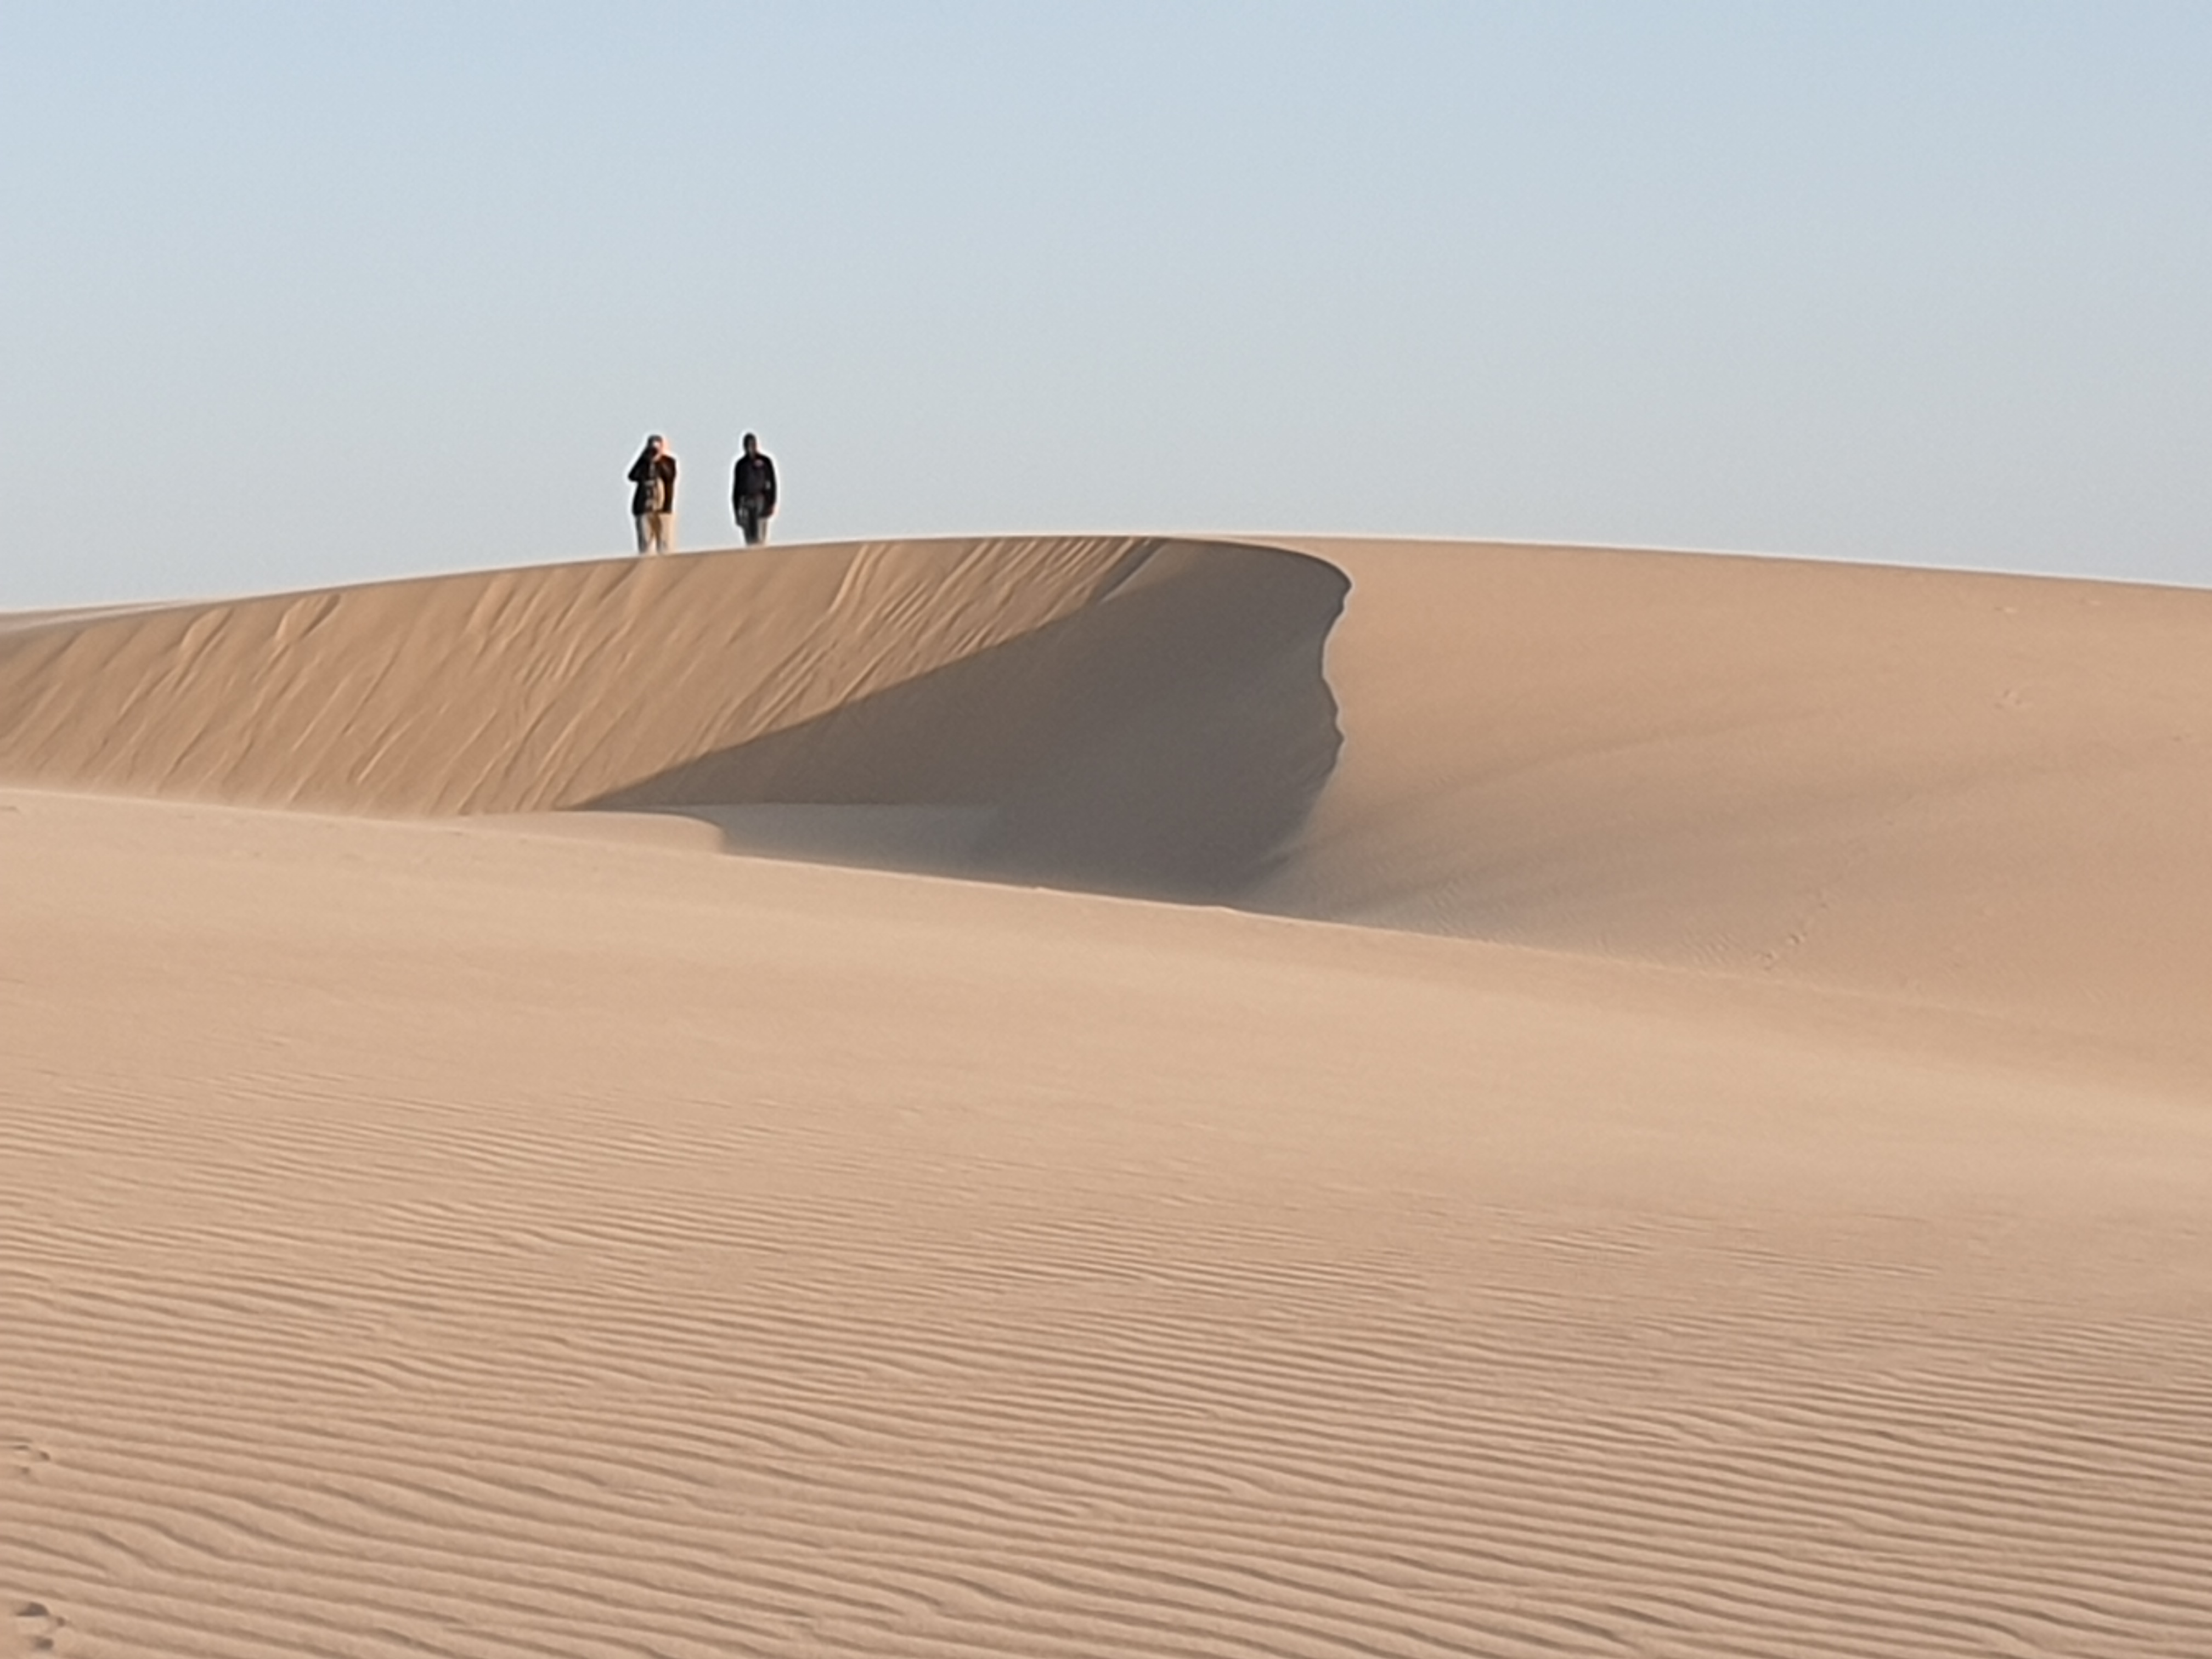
x=296, y=294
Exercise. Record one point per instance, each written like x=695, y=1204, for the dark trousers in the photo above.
x=752, y=518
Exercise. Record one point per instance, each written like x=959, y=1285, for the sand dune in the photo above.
x=1742, y=1191
x=1979, y=790
x=1146, y=714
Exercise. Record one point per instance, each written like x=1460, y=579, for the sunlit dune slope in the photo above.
x=425, y=1242
x=1990, y=791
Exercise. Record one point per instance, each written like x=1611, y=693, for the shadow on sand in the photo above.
x=1166, y=740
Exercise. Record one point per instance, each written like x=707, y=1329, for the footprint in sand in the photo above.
x=20, y=1460
x=34, y=1629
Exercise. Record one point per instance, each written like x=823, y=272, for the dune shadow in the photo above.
x=1166, y=740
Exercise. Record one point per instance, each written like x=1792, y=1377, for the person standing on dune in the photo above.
x=652, y=503
x=752, y=492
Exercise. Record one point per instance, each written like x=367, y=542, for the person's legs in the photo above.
x=644, y=534
x=656, y=533
x=752, y=521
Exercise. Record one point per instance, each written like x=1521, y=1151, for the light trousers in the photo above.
x=656, y=533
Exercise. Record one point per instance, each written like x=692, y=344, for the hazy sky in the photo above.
x=296, y=293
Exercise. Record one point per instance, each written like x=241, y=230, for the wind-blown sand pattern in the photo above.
x=1742, y=1190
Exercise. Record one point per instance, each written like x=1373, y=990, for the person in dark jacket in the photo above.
x=652, y=503
x=752, y=492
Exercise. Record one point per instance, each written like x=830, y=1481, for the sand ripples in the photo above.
x=726, y=1378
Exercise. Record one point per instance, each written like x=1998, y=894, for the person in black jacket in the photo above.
x=752, y=492
x=652, y=503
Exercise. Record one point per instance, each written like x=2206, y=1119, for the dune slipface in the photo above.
x=1741, y=1189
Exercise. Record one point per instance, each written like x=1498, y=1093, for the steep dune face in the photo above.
x=1146, y=716
x=1984, y=791
x=1166, y=736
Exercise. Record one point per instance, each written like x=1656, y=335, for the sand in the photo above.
x=1378, y=1099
